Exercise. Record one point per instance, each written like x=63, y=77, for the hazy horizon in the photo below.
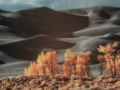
x=15, y=5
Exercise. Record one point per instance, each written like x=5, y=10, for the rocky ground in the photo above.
x=48, y=82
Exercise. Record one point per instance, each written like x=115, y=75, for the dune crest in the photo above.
x=37, y=29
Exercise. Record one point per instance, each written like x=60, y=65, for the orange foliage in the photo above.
x=69, y=64
x=100, y=58
x=76, y=64
x=109, y=48
x=31, y=70
x=83, y=63
x=112, y=58
x=47, y=63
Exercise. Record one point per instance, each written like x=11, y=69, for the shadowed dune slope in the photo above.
x=29, y=49
x=60, y=31
x=3, y=11
x=43, y=20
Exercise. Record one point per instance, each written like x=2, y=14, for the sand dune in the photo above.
x=28, y=49
x=115, y=18
x=77, y=12
x=6, y=41
x=114, y=37
x=98, y=14
x=75, y=39
x=25, y=33
x=103, y=11
x=13, y=69
x=4, y=11
x=7, y=37
x=90, y=44
x=98, y=30
x=3, y=28
x=37, y=21
x=69, y=28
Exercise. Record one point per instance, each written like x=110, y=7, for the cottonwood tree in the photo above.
x=101, y=60
x=83, y=61
x=111, y=55
x=69, y=65
x=31, y=70
x=47, y=63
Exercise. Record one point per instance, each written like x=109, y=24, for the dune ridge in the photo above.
x=43, y=20
x=28, y=49
x=37, y=29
